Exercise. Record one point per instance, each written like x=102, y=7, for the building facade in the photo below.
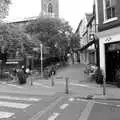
x=87, y=28
x=108, y=18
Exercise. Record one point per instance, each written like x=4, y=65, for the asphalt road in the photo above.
x=105, y=110
x=44, y=102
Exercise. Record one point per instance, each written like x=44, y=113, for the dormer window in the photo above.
x=109, y=9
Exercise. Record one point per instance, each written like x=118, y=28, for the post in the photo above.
x=31, y=81
x=67, y=87
x=52, y=79
x=41, y=58
x=104, y=85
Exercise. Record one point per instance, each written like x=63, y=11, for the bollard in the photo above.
x=31, y=82
x=67, y=87
x=52, y=79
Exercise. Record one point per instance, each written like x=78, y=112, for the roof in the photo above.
x=88, y=16
x=21, y=20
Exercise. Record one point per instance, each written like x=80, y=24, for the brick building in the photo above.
x=108, y=19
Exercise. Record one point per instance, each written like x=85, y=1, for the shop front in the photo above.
x=109, y=42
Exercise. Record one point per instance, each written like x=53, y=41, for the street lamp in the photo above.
x=41, y=58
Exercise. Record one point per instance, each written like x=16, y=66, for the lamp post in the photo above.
x=41, y=58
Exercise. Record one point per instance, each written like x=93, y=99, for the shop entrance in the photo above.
x=112, y=54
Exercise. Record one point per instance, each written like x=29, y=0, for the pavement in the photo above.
x=92, y=90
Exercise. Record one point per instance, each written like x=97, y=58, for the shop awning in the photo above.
x=86, y=46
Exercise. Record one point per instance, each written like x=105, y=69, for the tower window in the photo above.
x=50, y=8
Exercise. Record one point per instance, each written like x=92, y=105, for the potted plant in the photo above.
x=98, y=76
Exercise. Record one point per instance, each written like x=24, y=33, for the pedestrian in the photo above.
x=21, y=76
x=53, y=70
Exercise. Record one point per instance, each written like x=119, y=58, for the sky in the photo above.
x=70, y=10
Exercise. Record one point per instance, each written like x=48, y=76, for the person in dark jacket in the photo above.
x=53, y=70
x=21, y=76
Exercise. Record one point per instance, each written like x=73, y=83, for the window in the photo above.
x=50, y=8
x=109, y=8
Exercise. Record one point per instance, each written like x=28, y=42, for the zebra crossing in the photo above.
x=15, y=102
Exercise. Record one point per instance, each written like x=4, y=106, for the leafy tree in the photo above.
x=75, y=42
x=4, y=7
x=15, y=41
x=74, y=45
x=52, y=32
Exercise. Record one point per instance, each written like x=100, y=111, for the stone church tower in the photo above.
x=50, y=8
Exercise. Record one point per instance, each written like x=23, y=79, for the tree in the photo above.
x=15, y=41
x=74, y=45
x=52, y=32
x=4, y=7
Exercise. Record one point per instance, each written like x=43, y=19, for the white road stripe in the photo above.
x=35, y=83
x=75, y=84
x=54, y=116
x=71, y=99
x=64, y=106
x=5, y=115
x=81, y=85
x=107, y=104
x=19, y=98
x=86, y=112
x=15, y=86
x=14, y=105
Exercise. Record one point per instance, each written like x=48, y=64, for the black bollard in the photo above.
x=67, y=87
x=31, y=82
x=52, y=79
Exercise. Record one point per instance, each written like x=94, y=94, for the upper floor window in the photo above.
x=109, y=9
x=50, y=8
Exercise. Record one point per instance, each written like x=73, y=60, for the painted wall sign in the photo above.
x=108, y=39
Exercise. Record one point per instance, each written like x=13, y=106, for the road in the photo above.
x=19, y=102
x=42, y=101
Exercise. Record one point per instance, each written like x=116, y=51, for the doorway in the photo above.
x=112, y=57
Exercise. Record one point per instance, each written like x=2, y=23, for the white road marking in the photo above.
x=35, y=83
x=81, y=85
x=64, y=106
x=54, y=116
x=14, y=105
x=71, y=99
x=5, y=115
x=78, y=99
x=107, y=104
x=15, y=86
x=86, y=112
x=75, y=84
x=19, y=98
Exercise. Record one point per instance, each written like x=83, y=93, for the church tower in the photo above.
x=50, y=8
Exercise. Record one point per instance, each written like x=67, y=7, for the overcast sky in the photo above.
x=71, y=10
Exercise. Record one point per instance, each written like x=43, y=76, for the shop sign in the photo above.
x=108, y=39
